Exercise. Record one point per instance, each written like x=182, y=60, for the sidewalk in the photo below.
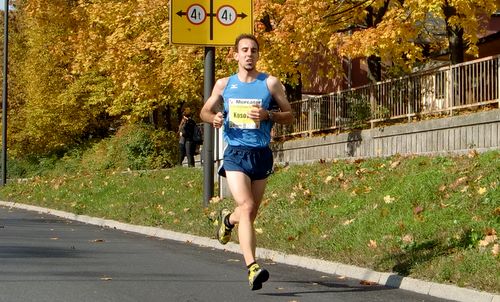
x=449, y=292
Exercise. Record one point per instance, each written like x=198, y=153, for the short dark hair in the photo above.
x=245, y=36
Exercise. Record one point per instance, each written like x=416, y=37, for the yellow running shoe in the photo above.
x=257, y=276
x=223, y=233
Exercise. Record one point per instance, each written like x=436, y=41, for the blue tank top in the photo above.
x=238, y=98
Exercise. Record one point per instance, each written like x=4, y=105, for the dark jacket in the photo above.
x=187, y=129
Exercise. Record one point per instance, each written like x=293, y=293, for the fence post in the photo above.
x=498, y=81
x=373, y=105
x=449, y=98
x=409, y=99
x=310, y=117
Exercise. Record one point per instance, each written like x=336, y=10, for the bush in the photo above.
x=134, y=147
x=137, y=147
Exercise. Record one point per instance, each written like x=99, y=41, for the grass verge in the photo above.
x=431, y=218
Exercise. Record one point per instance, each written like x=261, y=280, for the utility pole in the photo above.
x=4, y=94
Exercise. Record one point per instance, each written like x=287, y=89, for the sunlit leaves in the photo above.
x=86, y=64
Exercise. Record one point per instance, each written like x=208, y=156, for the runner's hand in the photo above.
x=257, y=113
x=218, y=120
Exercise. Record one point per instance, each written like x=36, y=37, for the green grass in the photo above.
x=424, y=217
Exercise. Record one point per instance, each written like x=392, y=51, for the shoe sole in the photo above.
x=260, y=278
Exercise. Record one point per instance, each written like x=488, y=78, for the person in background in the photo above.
x=248, y=99
x=187, y=146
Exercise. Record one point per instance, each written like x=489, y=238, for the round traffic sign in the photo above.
x=196, y=14
x=226, y=15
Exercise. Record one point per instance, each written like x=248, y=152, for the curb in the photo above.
x=438, y=290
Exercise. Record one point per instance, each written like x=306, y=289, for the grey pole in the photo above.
x=208, y=139
x=4, y=95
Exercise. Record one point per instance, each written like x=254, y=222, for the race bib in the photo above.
x=238, y=109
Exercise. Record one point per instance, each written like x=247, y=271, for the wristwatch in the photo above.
x=270, y=115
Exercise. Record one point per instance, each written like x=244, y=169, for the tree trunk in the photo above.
x=456, y=44
x=374, y=68
x=455, y=35
x=294, y=93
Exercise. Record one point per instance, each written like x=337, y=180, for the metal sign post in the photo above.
x=208, y=139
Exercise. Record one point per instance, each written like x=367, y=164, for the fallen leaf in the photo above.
x=496, y=211
x=347, y=222
x=417, y=210
x=106, y=278
x=54, y=238
x=487, y=240
x=360, y=171
x=388, y=199
x=495, y=250
x=407, y=238
x=490, y=231
x=366, y=282
x=458, y=182
x=372, y=244
x=395, y=164
x=481, y=191
x=328, y=179
x=98, y=240
x=472, y=153
x=215, y=199
x=259, y=231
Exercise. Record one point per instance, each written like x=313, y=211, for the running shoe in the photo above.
x=257, y=276
x=223, y=233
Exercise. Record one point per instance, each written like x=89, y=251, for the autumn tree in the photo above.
x=410, y=29
x=84, y=65
x=294, y=38
x=48, y=118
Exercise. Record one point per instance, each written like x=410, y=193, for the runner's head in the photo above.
x=246, y=51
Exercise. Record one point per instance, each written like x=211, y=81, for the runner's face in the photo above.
x=247, y=54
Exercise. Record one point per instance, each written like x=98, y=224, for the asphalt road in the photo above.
x=45, y=258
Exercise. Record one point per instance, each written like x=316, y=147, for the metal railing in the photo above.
x=441, y=90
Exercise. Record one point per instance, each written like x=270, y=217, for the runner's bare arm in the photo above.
x=209, y=113
x=285, y=116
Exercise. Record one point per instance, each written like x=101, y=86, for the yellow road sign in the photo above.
x=209, y=22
